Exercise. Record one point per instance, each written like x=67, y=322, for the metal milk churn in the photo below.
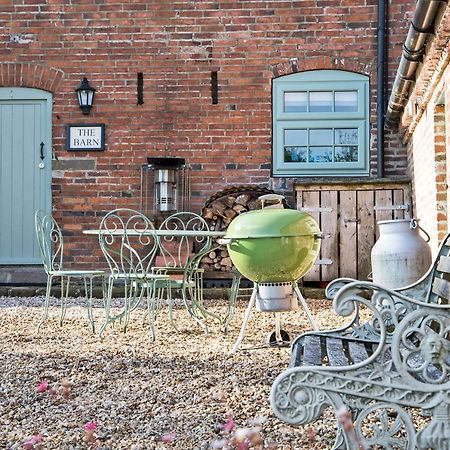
x=400, y=256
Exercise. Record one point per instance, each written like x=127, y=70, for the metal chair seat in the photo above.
x=77, y=273
x=51, y=246
x=138, y=276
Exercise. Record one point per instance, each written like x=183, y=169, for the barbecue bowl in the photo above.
x=273, y=245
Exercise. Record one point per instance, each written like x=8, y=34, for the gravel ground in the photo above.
x=181, y=392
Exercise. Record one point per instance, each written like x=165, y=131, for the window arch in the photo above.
x=321, y=124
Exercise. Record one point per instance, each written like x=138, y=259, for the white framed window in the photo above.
x=321, y=124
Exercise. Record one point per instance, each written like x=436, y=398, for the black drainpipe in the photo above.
x=422, y=25
x=381, y=69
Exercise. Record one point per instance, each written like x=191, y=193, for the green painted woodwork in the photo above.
x=273, y=245
x=314, y=82
x=25, y=122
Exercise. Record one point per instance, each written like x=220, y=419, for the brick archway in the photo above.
x=294, y=65
x=30, y=75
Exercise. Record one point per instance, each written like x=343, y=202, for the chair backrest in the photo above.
x=178, y=250
x=50, y=239
x=129, y=242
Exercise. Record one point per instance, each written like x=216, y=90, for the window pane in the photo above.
x=295, y=138
x=321, y=101
x=321, y=136
x=295, y=102
x=346, y=154
x=346, y=136
x=295, y=154
x=320, y=154
x=346, y=101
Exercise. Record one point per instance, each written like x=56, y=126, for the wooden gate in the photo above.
x=349, y=213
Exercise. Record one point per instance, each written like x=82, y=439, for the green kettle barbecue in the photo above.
x=273, y=247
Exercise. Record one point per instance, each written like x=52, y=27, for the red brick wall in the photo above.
x=176, y=45
x=427, y=151
x=425, y=124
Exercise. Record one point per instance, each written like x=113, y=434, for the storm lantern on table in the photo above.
x=165, y=186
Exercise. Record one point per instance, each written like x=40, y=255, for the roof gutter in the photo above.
x=422, y=25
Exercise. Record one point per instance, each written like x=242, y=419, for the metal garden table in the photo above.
x=201, y=234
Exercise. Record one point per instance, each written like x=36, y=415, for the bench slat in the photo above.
x=441, y=288
x=444, y=264
x=312, y=351
x=335, y=351
x=358, y=352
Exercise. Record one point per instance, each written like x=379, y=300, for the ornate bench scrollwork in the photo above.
x=381, y=368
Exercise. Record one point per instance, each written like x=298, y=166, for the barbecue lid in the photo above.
x=269, y=223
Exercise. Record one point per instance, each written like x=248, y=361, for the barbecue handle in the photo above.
x=270, y=197
x=227, y=241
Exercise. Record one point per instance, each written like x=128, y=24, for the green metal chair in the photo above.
x=51, y=246
x=129, y=243
x=183, y=244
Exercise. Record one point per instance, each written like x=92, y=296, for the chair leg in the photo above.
x=234, y=290
x=131, y=303
x=47, y=297
x=170, y=306
x=88, y=294
x=107, y=306
x=151, y=311
x=191, y=313
x=64, y=296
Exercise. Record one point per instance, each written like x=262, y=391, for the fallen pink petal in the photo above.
x=229, y=424
x=30, y=444
x=42, y=386
x=168, y=437
x=90, y=426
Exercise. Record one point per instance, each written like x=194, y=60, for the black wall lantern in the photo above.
x=85, y=94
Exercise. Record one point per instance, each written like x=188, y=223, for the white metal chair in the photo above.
x=183, y=243
x=51, y=246
x=129, y=243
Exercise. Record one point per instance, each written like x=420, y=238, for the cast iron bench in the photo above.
x=391, y=358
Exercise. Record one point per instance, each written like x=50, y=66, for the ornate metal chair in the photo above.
x=51, y=246
x=184, y=241
x=129, y=243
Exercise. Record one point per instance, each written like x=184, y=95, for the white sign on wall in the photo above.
x=86, y=137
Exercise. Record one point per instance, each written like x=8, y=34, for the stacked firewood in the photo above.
x=220, y=210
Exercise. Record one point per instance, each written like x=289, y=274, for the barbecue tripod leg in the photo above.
x=305, y=307
x=251, y=303
x=278, y=327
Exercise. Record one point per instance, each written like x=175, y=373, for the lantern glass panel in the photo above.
x=164, y=190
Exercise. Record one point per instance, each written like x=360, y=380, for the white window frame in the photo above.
x=320, y=80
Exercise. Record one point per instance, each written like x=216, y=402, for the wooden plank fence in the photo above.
x=349, y=214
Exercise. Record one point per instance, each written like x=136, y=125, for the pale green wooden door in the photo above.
x=25, y=183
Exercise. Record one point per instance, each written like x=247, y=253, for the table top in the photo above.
x=120, y=232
